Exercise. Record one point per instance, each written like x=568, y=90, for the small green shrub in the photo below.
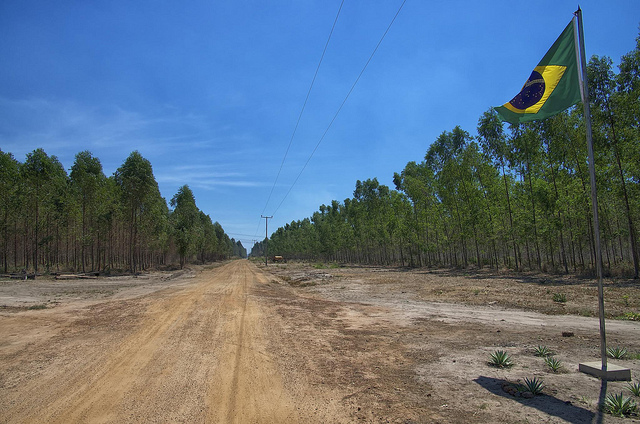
x=630, y=316
x=35, y=307
x=618, y=405
x=543, y=351
x=617, y=352
x=553, y=363
x=559, y=297
x=634, y=388
x=501, y=359
x=535, y=385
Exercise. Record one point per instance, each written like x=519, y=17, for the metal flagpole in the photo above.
x=592, y=175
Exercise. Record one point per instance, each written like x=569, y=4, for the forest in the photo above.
x=84, y=221
x=514, y=197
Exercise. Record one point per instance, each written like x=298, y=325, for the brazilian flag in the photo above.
x=552, y=87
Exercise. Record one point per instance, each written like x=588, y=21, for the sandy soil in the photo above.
x=290, y=343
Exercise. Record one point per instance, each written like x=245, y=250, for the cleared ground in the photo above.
x=290, y=343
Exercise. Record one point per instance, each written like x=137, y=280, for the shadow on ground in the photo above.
x=550, y=405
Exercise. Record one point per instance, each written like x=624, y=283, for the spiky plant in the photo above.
x=618, y=405
x=634, y=388
x=534, y=385
x=501, y=359
x=553, y=363
x=542, y=351
x=617, y=352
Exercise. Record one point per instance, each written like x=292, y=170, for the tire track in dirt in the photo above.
x=248, y=387
x=238, y=358
x=197, y=354
x=99, y=399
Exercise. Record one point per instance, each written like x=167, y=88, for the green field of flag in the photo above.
x=552, y=87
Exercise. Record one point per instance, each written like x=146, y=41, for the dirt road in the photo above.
x=241, y=343
x=192, y=354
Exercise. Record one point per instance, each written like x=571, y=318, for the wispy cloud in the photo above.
x=212, y=184
x=65, y=124
x=202, y=176
x=183, y=147
x=202, y=168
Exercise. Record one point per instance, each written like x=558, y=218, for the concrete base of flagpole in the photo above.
x=612, y=373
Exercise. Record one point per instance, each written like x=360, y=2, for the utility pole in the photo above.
x=266, y=232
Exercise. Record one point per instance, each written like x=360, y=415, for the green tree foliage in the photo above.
x=44, y=182
x=186, y=222
x=87, y=187
x=86, y=221
x=619, y=146
x=515, y=197
x=238, y=249
x=9, y=203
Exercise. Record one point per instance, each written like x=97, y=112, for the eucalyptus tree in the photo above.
x=206, y=241
x=418, y=182
x=110, y=218
x=607, y=106
x=238, y=249
x=87, y=182
x=446, y=156
x=332, y=230
x=345, y=239
x=186, y=222
x=45, y=181
x=484, y=192
x=400, y=225
x=224, y=247
x=525, y=146
x=140, y=194
x=307, y=240
x=156, y=230
x=325, y=232
x=628, y=95
x=493, y=141
x=353, y=217
x=554, y=134
x=9, y=210
x=372, y=209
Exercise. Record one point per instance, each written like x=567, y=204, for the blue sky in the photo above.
x=210, y=91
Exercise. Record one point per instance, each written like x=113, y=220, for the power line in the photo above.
x=258, y=227
x=242, y=235
x=299, y=116
x=303, y=107
x=341, y=105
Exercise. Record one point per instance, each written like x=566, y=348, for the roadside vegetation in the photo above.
x=85, y=221
x=512, y=197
